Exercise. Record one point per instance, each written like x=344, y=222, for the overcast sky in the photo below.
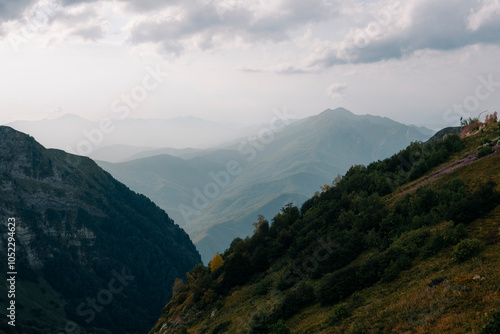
x=237, y=60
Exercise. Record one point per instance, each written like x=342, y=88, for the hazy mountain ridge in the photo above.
x=299, y=159
x=77, y=228
x=167, y=179
x=129, y=133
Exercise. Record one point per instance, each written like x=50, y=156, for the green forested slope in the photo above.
x=409, y=244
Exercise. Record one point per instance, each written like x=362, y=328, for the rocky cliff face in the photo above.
x=76, y=227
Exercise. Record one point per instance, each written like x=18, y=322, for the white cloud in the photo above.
x=336, y=90
x=489, y=12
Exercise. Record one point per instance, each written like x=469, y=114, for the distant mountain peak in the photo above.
x=335, y=115
x=70, y=116
x=66, y=117
x=188, y=119
x=338, y=111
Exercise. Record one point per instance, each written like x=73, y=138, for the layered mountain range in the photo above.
x=217, y=194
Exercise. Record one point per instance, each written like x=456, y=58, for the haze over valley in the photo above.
x=216, y=202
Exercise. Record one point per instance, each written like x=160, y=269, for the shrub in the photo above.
x=216, y=262
x=260, y=322
x=279, y=328
x=355, y=301
x=436, y=281
x=492, y=324
x=263, y=288
x=287, y=280
x=484, y=152
x=222, y=327
x=409, y=242
x=485, y=141
x=339, y=312
x=371, y=270
x=466, y=249
x=237, y=269
x=209, y=296
x=449, y=235
x=337, y=286
x=453, y=234
x=295, y=300
x=475, y=205
x=395, y=267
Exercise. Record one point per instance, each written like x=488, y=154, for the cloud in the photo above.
x=86, y=21
x=398, y=30
x=489, y=12
x=248, y=69
x=343, y=31
x=336, y=90
x=289, y=69
x=136, y=6
x=281, y=69
x=202, y=25
x=50, y=22
x=13, y=9
x=90, y=33
x=77, y=14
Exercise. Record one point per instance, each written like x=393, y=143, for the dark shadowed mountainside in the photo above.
x=90, y=253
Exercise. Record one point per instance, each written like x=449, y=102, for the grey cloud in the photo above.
x=149, y=5
x=12, y=9
x=436, y=25
x=90, y=33
x=289, y=70
x=212, y=23
x=134, y=5
x=283, y=69
x=249, y=69
x=204, y=24
x=74, y=18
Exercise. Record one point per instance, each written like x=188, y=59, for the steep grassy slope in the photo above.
x=409, y=244
x=82, y=236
